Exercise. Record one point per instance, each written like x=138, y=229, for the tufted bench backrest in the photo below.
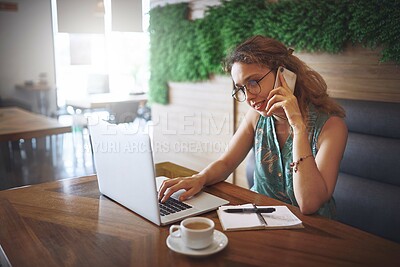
x=367, y=193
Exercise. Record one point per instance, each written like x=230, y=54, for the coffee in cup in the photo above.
x=195, y=232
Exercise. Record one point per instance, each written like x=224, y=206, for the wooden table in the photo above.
x=122, y=108
x=16, y=123
x=68, y=223
x=97, y=101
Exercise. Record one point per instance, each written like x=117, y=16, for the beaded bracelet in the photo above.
x=294, y=165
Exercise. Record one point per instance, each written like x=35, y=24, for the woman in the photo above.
x=298, y=138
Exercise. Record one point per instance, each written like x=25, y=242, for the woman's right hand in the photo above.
x=192, y=185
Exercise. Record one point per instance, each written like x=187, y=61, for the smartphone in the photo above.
x=290, y=78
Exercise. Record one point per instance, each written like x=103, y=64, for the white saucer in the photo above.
x=219, y=243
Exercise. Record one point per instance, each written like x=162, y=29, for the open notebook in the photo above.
x=281, y=218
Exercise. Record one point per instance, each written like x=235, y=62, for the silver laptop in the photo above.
x=125, y=172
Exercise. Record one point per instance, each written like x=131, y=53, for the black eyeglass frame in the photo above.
x=244, y=88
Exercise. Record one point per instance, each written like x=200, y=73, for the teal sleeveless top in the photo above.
x=272, y=174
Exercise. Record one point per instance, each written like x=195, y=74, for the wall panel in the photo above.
x=356, y=73
x=195, y=127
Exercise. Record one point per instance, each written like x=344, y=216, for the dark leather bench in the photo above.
x=11, y=102
x=367, y=193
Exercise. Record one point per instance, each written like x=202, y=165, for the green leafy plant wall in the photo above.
x=192, y=50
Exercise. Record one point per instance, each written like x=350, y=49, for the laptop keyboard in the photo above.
x=172, y=206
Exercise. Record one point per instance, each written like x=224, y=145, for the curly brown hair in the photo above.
x=310, y=86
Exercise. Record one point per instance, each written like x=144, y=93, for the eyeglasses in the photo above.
x=252, y=86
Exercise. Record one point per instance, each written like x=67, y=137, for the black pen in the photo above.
x=250, y=210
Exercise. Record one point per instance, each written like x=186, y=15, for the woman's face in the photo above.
x=243, y=73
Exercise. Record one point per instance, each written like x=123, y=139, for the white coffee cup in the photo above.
x=195, y=232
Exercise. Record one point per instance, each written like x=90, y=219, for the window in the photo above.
x=93, y=63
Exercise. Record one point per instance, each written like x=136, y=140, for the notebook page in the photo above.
x=239, y=221
x=282, y=217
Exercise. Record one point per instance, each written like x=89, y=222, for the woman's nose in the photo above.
x=250, y=95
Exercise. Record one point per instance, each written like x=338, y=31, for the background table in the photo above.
x=122, y=108
x=68, y=223
x=96, y=101
x=16, y=123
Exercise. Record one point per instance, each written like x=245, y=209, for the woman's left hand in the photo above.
x=283, y=98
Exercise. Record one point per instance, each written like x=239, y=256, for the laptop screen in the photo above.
x=125, y=168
